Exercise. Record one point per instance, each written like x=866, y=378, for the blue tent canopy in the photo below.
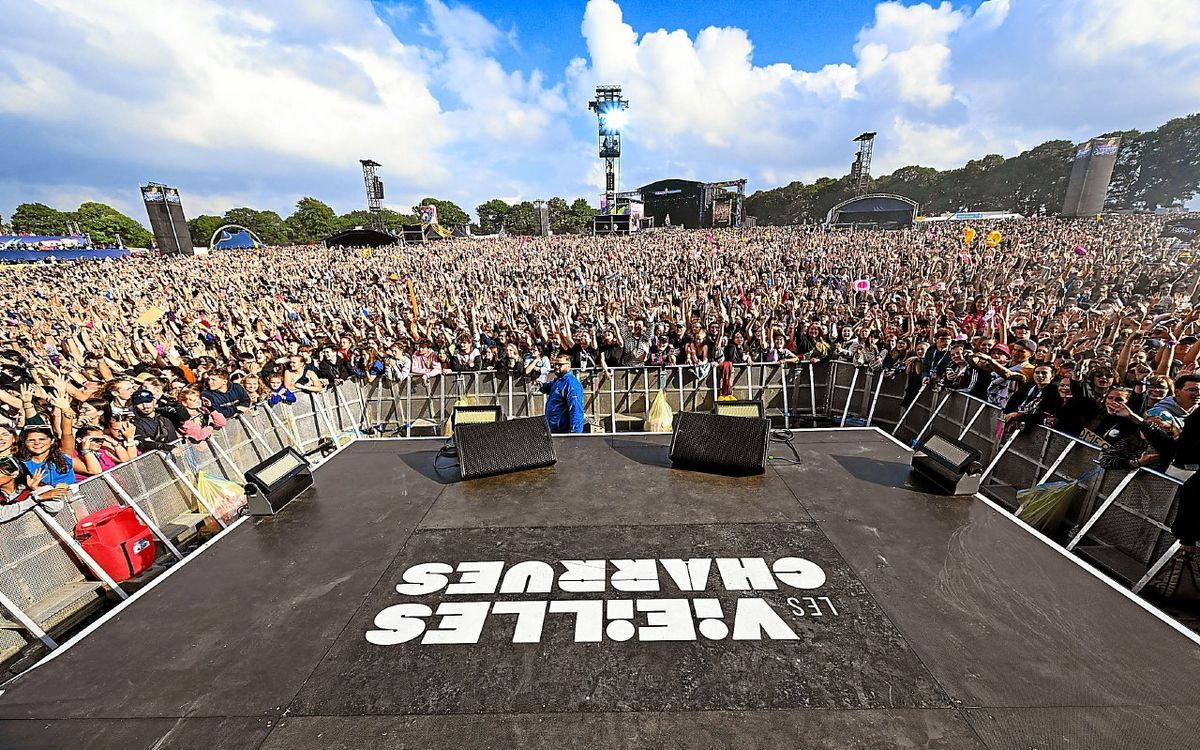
x=235, y=240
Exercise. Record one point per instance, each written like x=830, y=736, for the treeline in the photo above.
x=312, y=221
x=104, y=224
x=1154, y=169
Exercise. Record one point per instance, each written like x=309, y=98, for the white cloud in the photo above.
x=1100, y=28
x=258, y=104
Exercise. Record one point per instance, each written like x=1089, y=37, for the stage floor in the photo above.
x=826, y=605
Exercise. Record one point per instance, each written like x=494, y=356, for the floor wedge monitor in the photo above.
x=720, y=443
x=500, y=447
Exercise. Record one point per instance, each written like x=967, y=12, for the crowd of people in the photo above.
x=1088, y=326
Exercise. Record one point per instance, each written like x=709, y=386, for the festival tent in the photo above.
x=879, y=210
x=235, y=240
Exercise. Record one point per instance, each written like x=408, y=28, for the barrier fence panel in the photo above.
x=1122, y=520
x=1131, y=527
x=41, y=579
x=889, y=405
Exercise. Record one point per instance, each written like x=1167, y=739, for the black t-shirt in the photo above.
x=611, y=354
x=581, y=357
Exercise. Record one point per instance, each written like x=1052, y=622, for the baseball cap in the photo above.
x=142, y=396
x=1026, y=344
x=1001, y=348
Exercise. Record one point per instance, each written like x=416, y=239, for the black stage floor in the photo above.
x=827, y=605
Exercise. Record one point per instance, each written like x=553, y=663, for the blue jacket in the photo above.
x=564, y=406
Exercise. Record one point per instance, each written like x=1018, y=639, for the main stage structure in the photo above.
x=612, y=601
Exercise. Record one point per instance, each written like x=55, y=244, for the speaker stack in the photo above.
x=720, y=443
x=490, y=448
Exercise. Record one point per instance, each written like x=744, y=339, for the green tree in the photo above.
x=560, y=215
x=521, y=218
x=202, y=227
x=311, y=222
x=491, y=215
x=38, y=218
x=580, y=217
x=449, y=213
x=1158, y=168
x=392, y=220
x=105, y=224
x=268, y=225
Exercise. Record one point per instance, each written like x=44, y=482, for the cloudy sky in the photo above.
x=260, y=102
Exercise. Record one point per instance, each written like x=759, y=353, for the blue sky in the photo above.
x=260, y=102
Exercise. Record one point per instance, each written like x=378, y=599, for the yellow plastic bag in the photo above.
x=223, y=497
x=660, y=416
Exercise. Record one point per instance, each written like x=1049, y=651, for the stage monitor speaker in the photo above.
x=477, y=414
x=949, y=464
x=502, y=447
x=275, y=482
x=744, y=408
x=720, y=443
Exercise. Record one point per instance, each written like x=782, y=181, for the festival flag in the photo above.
x=968, y=235
x=862, y=285
x=1079, y=250
x=993, y=238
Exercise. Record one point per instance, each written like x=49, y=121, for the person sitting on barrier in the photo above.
x=19, y=491
x=1175, y=407
x=1113, y=422
x=254, y=389
x=39, y=451
x=1033, y=401
x=937, y=358
x=1073, y=409
x=564, y=402
x=962, y=375
x=277, y=392
x=120, y=429
x=201, y=423
x=95, y=452
x=1100, y=379
x=228, y=399
x=165, y=404
x=778, y=351
x=152, y=431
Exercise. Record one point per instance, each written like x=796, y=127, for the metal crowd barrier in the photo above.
x=49, y=584
x=1120, y=522
x=1121, y=519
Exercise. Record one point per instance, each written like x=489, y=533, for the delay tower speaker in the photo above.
x=491, y=448
x=720, y=443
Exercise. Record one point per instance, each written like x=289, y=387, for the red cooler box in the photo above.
x=117, y=540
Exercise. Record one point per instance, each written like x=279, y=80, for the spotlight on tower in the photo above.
x=610, y=108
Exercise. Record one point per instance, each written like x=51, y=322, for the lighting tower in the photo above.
x=610, y=116
x=374, y=187
x=860, y=170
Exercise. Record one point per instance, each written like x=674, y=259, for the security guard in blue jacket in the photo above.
x=564, y=405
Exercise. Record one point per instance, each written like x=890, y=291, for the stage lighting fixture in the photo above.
x=612, y=120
